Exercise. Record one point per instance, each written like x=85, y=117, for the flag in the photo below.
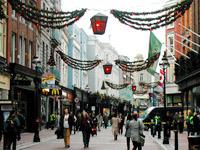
x=154, y=52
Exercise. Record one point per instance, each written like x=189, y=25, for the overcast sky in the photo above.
x=127, y=41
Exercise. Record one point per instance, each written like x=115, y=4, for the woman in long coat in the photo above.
x=136, y=130
x=115, y=126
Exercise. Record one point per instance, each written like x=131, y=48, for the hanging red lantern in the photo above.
x=134, y=88
x=98, y=23
x=107, y=68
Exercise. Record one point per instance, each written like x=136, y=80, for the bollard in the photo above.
x=176, y=139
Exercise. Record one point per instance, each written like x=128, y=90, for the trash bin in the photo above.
x=194, y=143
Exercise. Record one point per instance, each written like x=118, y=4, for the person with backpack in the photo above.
x=10, y=133
x=21, y=127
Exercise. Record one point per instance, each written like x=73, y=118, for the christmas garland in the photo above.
x=164, y=16
x=45, y=18
x=2, y=14
x=149, y=85
x=116, y=86
x=78, y=64
x=136, y=65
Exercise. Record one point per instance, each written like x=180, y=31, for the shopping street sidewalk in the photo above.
x=27, y=138
x=182, y=141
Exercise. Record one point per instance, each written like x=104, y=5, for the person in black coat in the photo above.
x=86, y=128
x=65, y=124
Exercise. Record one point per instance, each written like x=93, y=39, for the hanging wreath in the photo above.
x=165, y=16
x=116, y=86
x=46, y=18
x=136, y=65
x=79, y=64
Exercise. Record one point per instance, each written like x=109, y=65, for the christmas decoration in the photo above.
x=2, y=14
x=78, y=64
x=46, y=18
x=134, y=88
x=51, y=61
x=116, y=86
x=164, y=16
x=107, y=68
x=136, y=65
x=98, y=23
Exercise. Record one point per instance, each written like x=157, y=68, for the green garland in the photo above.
x=79, y=64
x=164, y=16
x=149, y=85
x=2, y=14
x=47, y=19
x=116, y=86
x=136, y=65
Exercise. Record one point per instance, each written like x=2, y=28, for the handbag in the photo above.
x=142, y=140
x=141, y=136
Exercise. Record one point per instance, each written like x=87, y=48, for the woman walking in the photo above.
x=65, y=126
x=128, y=131
x=115, y=126
x=86, y=128
x=136, y=131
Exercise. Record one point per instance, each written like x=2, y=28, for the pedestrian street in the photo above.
x=103, y=141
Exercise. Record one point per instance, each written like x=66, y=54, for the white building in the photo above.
x=64, y=49
x=105, y=52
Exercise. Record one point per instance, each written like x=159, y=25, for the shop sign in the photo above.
x=4, y=82
x=48, y=78
x=55, y=92
x=6, y=107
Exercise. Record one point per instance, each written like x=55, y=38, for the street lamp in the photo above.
x=164, y=65
x=36, y=62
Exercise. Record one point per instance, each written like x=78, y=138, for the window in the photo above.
x=20, y=50
x=30, y=53
x=43, y=54
x=13, y=47
x=141, y=77
x=1, y=42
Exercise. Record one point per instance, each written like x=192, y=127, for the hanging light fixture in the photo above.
x=107, y=68
x=103, y=86
x=98, y=23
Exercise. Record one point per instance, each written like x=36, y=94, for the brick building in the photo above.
x=21, y=48
x=188, y=74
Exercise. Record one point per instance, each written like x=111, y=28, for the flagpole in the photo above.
x=189, y=30
x=187, y=39
x=186, y=46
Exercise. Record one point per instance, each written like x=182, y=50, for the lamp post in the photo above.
x=164, y=65
x=36, y=118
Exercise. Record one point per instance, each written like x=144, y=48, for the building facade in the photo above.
x=187, y=75
x=21, y=48
x=173, y=49
x=5, y=103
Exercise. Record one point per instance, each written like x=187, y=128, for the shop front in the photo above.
x=24, y=93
